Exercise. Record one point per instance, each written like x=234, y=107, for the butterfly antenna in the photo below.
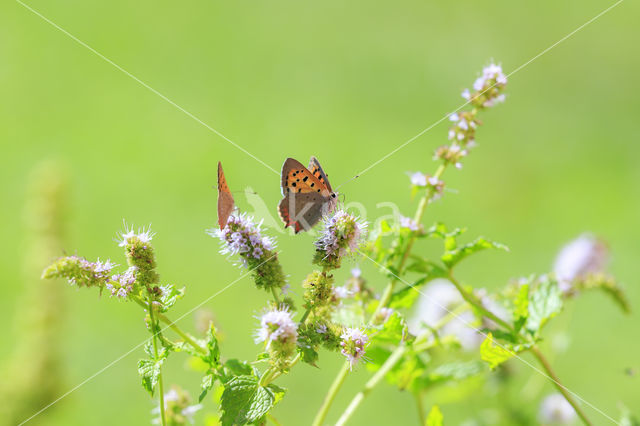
x=344, y=183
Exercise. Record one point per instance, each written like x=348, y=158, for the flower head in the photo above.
x=244, y=238
x=354, y=341
x=280, y=333
x=342, y=234
x=81, y=272
x=488, y=87
x=418, y=179
x=408, y=223
x=277, y=325
x=177, y=408
x=580, y=257
x=555, y=409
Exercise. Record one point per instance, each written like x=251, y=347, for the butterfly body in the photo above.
x=307, y=194
x=225, y=199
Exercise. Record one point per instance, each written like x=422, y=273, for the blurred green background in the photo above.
x=347, y=82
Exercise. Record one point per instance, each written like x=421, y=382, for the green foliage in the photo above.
x=454, y=371
x=435, y=417
x=170, y=295
x=453, y=254
x=245, y=401
x=149, y=371
x=392, y=332
x=492, y=353
x=545, y=301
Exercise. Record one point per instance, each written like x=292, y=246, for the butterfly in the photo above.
x=307, y=194
x=225, y=199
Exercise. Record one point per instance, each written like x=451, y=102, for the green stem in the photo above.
x=331, y=395
x=185, y=336
x=305, y=315
x=275, y=295
x=384, y=299
x=395, y=356
x=154, y=326
x=422, y=415
x=421, y=343
x=556, y=381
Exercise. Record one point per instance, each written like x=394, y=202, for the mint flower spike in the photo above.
x=178, y=408
x=580, y=257
x=242, y=237
x=341, y=235
x=80, y=272
x=354, y=341
x=280, y=333
x=141, y=259
x=554, y=409
x=488, y=87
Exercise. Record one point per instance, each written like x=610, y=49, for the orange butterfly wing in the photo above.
x=297, y=178
x=225, y=199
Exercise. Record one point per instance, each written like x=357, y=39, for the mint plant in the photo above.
x=411, y=335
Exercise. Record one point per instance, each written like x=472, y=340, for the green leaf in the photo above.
x=427, y=267
x=545, y=301
x=236, y=367
x=406, y=297
x=170, y=295
x=149, y=371
x=393, y=331
x=454, y=371
x=213, y=350
x=453, y=255
x=493, y=354
x=206, y=385
x=435, y=417
x=521, y=307
x=245, y=401
x=308, y=353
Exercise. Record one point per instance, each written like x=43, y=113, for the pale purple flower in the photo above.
x=555, y=409
x=356, y=272
x=243, y=237
x=466, y=94
x=342, y=292
x=584, y=255
x=277, y=325
x=354, y=341
x=321, y=329
x=144, y=235
x=408, y=223
x=418, y=179
x=342, y=233
x=439, y=298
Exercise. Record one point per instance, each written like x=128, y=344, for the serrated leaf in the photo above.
x=170, y=295
x=455, y=371
x=206, y=385
x=435, y=417
x=426, y=267
x=238, y=368
x=493, y=354
x=245, y=401
x=149, y=371
x=521, y=307
x=453, y=256
x=392, y=331
x=213, y=351
x=545, y=301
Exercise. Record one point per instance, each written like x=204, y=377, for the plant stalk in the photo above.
x=556, y=381
x=154, y=325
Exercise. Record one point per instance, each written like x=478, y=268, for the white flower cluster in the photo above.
x=342, y=233
x=277, y=325
x=353, y=344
